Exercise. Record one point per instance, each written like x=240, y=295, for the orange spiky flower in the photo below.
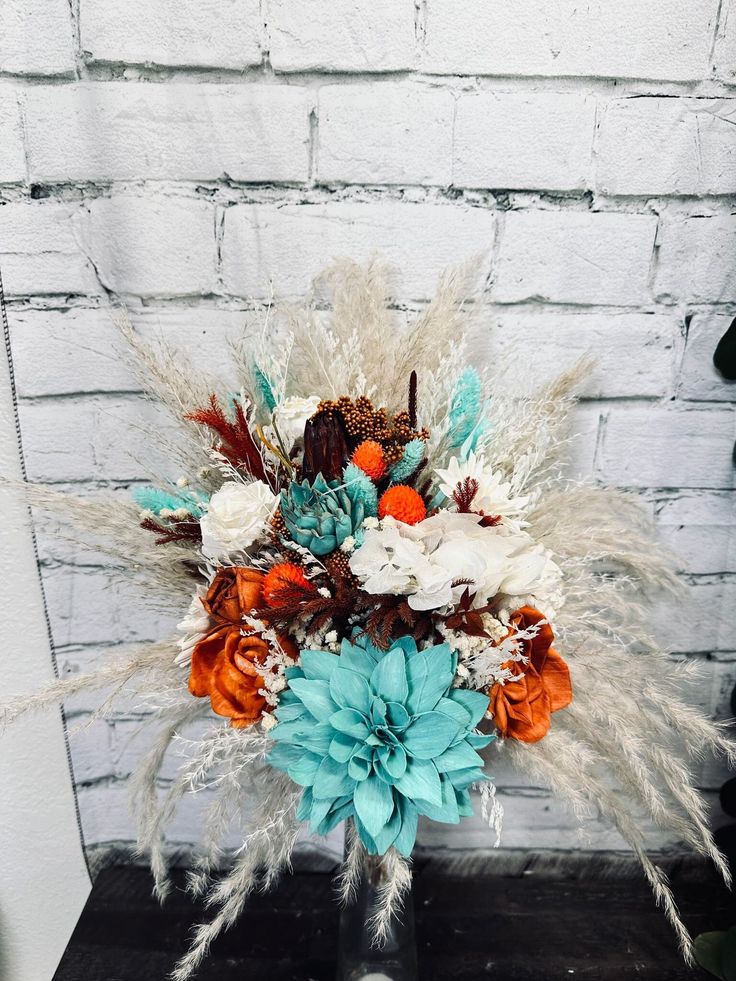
x=403, y=503
x=281, y=581
x=371, y=459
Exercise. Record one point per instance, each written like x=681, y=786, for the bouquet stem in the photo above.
x=360, y=957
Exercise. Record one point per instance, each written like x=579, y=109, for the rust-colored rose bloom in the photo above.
x=225, y=663
x=522, y=709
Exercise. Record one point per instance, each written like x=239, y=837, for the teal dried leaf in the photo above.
x=156, y=500
x=465, y=407
x=265, y=389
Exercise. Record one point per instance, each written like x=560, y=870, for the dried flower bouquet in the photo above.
x=385, y=570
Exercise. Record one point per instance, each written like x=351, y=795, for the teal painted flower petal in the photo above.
x=351, y=722
x=474, y=701
x=315, y=696
x=404, y=841
x=397, y=716
x=282, y=755
x=462, y=779
x=387, y=835
x=318, y=665
x=454, y=710
x=305, y=769
x=350, y=690
x=457, y=757
x=388, y=680
x=429, y=735
x=359, y=769
x=429, y=674
x=447, y=810
x=342, y=747
x=318, y=739
x=331, y=780
x=339, y=811
x=393, y=761
x=374, y=803
x=421, y=782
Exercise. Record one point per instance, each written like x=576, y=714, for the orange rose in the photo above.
x=522, y=709
x=225, y=662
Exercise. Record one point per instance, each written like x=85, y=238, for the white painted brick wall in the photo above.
x=537, y=140
x=202, y=33
x=156, y=132
x=191, y=157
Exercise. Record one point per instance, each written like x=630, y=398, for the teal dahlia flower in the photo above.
x=382, y=737
x=321, y=515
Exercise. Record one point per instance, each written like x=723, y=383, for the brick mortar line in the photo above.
x=130, y=73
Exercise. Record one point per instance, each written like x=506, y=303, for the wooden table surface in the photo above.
x=512, y=928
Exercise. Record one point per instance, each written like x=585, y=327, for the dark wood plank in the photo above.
x=512, y=928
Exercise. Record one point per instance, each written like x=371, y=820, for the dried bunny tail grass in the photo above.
x=112, y=526
x=394, y=872
x=146, y=664
x=440, y=327
x=339, y=352
x=530, y=433
x=166, y=374
x=150, y=816
x=569, y=767
x=266, y=851
x=347, y=879
x=170, y=380
x=358, y=349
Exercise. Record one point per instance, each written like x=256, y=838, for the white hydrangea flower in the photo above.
x=493, y=496
x=423, y=561
x=237, y=514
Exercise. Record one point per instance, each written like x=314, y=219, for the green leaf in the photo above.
x=430, y=735
x=728, y=956
x=707, y=949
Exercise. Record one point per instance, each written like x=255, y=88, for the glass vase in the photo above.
x=359, y=957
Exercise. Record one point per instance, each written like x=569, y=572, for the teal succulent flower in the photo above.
x=321, y=515
x=382, y=737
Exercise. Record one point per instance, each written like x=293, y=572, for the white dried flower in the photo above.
x=290, y=417
x=268, y=721
x=324, y=592
x=348, y=544
x=182, y=482
x=236, y=515
x=493, y=496
x=371, y=522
